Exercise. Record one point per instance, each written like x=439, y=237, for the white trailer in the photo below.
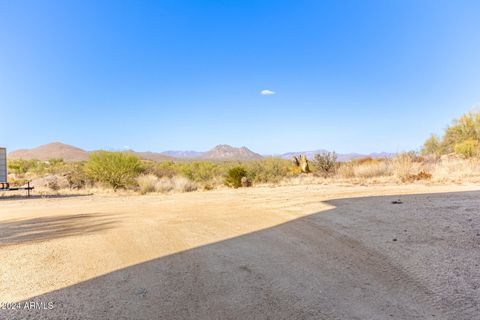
x=3, y=165
x=4, y=185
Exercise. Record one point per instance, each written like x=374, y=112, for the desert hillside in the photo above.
x=226, y=152
x=58, y=150
x=53, y=150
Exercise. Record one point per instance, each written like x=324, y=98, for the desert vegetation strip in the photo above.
x=452, y=158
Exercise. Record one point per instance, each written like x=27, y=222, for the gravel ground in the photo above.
x=305, y=252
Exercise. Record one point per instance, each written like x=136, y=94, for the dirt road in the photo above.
x=305, y=252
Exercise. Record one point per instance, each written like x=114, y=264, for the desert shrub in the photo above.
x=466, y=128
x=211, y=173
x=183, y=184
x=346, y=170
x=147, y=183
x=52, y=183
x=468, y=148
x=246, y=182
x=208, y=187
x=234, y=177
x=433, y=146
x=372, y=169
x=325, y=164
x=37, y=168
x=456, y=169
x=21, y=166
x=165, y=169
x=115, y=169
x=403, y=165
x=17, y=182
x=422, y=175
x=269, y=170
x=54, y=166
x=76, y=176
x=164, y=185
x=200, y=171
x=150, y=183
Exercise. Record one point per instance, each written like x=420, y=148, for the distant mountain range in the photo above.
x=58, y=150
x=340, y=156
x=183, y=154
x=220, y=152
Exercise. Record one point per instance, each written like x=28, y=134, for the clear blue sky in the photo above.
x=350, y=76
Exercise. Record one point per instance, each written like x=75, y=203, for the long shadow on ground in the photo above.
x=366, y=259
x=17, y=196
x=48, y=228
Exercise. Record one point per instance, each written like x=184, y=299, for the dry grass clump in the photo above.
x=183, y=184
x=403, y=166
x=147, y=183
x=150, y=183
x=372, y=169
x=164, y=185
x=346, y=170
x=456, y=170
x=305, y=179
x=359, y=170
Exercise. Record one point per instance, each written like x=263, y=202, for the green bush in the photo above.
x=269, y=170
x=466, y=129
x=325, y=164
x=469, y=148
x=37, y=167
x=234, y=177
x=21, y=166
x=201, y=171
x=432, y=146
x=167, y=169
x=116, y=169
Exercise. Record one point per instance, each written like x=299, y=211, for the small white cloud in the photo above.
x=267, y=92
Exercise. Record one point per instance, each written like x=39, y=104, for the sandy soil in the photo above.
x=304, y=252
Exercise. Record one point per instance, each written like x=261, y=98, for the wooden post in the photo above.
x=28, y=189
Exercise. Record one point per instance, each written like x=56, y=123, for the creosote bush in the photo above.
x=269, y=170
x=36, y=167
x=468, y=148
x=115, y=169
x=234, y=177
x=325, y=163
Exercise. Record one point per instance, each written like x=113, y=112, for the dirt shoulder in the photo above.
x=298, y=252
